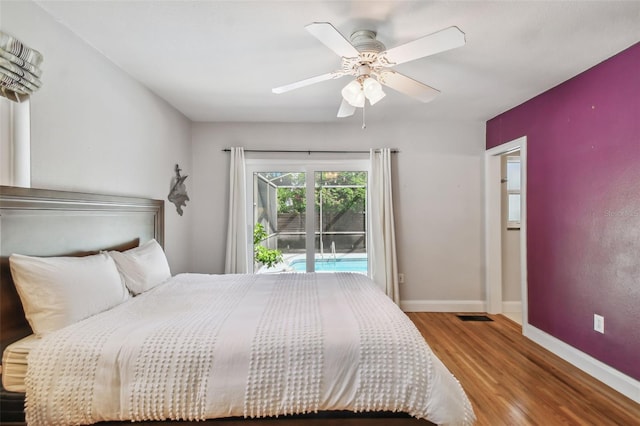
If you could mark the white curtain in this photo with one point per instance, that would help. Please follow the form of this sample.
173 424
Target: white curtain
236 261
383 258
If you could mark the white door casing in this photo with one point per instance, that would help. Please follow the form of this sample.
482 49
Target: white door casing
493 244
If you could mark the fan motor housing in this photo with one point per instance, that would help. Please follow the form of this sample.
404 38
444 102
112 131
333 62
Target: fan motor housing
365 41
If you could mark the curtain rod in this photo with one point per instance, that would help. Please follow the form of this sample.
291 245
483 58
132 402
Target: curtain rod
309 151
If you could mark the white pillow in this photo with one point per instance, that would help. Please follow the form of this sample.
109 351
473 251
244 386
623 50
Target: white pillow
59 291
142 268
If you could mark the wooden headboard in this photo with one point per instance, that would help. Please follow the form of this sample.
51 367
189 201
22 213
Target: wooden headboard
40 222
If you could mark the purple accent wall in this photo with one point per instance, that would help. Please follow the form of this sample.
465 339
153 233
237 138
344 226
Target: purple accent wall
583 207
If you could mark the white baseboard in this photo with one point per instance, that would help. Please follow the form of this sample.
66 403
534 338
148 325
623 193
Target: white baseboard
512 307
624 384
455 306
443 305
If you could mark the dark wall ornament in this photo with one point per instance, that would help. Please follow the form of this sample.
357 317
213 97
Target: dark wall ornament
178 194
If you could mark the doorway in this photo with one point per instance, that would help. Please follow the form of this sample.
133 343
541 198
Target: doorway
494 225
510 230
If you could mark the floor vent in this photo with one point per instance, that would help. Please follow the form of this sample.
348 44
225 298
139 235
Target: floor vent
474 318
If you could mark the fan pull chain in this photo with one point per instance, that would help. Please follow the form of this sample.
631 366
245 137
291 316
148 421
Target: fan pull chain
364 125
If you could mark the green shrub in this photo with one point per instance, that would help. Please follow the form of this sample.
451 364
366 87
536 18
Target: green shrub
262 254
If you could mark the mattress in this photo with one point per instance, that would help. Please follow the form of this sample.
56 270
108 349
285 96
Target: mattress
14 363
206 346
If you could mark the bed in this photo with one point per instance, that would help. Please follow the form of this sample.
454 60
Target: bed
294 347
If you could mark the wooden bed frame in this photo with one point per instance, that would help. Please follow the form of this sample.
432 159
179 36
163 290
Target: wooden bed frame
42 222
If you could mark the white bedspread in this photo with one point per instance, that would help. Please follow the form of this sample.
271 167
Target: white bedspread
207 346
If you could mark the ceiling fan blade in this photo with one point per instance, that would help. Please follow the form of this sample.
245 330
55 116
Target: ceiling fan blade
330 37
346 109
446 39
307 82
408 86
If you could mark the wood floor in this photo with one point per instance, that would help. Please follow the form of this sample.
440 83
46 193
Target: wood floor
512 381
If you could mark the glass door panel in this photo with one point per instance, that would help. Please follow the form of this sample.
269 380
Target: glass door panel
279 221
340 225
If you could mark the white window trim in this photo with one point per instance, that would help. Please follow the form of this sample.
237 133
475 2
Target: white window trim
15 143
513 224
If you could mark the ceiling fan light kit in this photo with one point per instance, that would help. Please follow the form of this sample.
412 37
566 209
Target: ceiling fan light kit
369 61
360 89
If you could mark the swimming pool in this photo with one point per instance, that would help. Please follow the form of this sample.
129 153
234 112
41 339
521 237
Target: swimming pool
355 264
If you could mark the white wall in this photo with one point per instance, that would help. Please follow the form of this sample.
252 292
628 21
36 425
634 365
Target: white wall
94 128
438 195
511 285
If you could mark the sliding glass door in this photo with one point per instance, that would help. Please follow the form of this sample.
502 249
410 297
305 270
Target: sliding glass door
308 217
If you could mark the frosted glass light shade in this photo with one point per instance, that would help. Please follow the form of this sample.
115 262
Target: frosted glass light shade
353 94
372 90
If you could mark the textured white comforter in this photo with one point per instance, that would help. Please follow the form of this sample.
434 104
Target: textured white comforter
207 346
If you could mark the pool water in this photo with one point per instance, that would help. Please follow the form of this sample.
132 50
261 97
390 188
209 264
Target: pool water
333 265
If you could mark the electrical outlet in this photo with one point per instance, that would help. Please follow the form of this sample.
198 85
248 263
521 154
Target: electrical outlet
598 323
400 278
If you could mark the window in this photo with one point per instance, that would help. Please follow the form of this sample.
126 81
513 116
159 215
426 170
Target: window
513 192
312 213
15 143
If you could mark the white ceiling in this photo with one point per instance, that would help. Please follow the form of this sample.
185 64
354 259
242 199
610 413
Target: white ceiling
218 60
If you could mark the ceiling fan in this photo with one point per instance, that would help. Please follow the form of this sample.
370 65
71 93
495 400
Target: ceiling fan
369 61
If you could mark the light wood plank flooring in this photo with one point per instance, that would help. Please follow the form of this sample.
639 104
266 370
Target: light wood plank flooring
512 381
